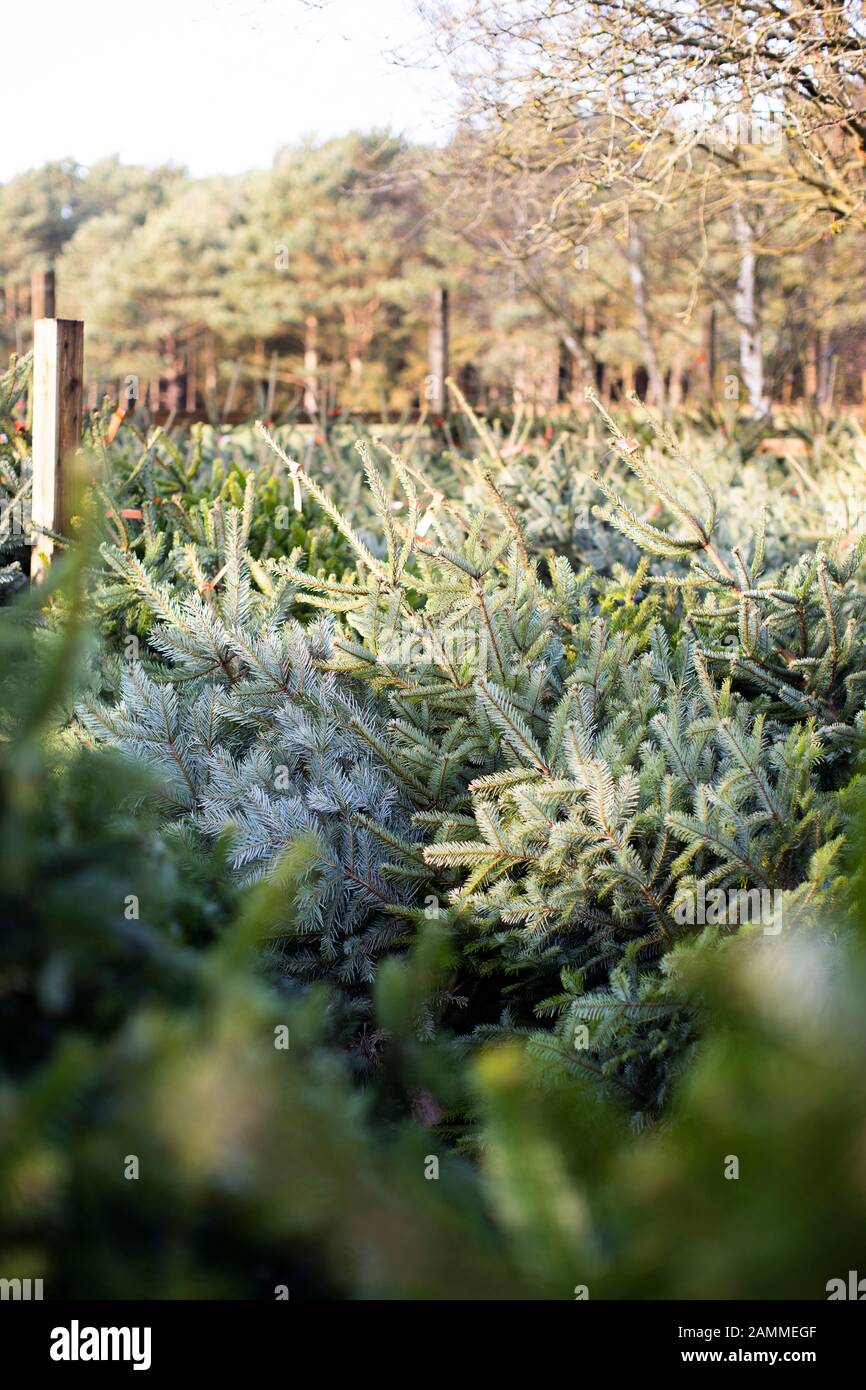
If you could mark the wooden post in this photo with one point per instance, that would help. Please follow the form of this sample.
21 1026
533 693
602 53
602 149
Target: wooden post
42 294
437 391
58 365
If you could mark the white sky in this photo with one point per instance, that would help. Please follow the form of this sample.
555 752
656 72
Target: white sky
216 85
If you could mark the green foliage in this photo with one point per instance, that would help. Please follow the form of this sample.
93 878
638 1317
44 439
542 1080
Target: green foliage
96 905
15 486
145 1014
249 737
587 751
568 746
806 497
792 638
261 1170
165 503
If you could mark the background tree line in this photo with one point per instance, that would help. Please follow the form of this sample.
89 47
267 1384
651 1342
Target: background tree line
672 202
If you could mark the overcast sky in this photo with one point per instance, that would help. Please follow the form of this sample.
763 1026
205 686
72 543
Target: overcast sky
216 85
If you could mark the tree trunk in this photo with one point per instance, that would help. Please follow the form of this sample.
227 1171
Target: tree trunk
564 373
604 383
748 316
579 355
261 387
311 367
211 373
549 393
174 397
191 384
826 373
519 389
709 353
271 398
437 391
635 255
675 385
810 371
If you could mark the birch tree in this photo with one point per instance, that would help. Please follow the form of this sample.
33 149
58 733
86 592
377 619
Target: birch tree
626 110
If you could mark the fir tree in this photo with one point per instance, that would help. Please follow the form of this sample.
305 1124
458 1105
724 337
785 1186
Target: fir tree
572 751
251 736
15 482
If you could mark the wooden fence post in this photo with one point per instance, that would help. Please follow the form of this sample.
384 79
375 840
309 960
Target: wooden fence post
42 294
437 391
58 365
